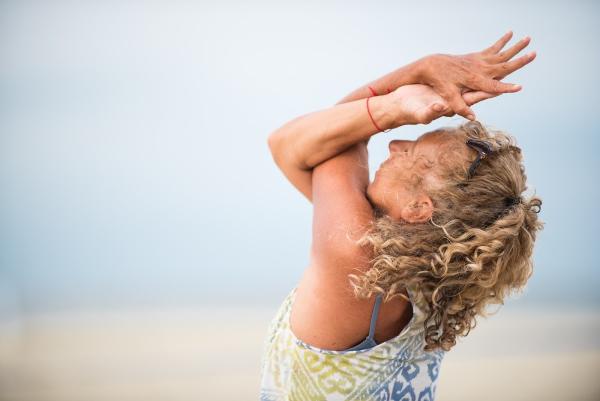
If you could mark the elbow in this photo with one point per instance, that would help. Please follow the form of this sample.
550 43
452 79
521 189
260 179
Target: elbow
282 150
276 144
272 140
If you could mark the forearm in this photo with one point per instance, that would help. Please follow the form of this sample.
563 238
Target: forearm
409 74
310 139
316 137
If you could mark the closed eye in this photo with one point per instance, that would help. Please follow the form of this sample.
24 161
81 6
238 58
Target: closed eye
425 162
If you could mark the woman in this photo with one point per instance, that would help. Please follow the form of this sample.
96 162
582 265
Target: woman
399 267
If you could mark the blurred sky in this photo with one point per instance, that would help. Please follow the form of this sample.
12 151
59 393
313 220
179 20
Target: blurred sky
134 167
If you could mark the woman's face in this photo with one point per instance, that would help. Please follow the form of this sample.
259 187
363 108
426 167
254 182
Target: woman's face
412 169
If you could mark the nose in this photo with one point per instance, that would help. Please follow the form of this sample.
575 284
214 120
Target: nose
398 145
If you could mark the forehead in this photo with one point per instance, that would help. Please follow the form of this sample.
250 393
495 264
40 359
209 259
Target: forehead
439 136
446 146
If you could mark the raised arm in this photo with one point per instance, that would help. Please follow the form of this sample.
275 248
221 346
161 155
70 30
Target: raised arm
304 142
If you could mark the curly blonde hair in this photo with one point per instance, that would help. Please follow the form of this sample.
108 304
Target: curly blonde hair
474 251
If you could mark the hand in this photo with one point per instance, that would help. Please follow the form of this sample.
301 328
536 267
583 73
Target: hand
452 76
420 104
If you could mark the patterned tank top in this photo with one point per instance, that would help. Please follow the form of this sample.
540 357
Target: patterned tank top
396 369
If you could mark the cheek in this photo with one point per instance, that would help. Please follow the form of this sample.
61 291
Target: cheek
391 170
433 182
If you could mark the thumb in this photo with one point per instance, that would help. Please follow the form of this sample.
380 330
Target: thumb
432 112
438 107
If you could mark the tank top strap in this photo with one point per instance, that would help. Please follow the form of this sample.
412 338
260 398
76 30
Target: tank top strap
374 316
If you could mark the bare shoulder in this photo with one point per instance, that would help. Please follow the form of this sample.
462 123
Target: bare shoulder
327 315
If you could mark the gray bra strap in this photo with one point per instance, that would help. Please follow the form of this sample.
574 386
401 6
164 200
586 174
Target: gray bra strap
374 316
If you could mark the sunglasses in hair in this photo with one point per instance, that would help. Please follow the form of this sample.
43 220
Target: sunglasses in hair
483 149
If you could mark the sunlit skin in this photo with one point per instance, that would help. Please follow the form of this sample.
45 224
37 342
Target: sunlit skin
324 154
400 186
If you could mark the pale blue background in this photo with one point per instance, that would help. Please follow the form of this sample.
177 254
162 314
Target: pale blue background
134 168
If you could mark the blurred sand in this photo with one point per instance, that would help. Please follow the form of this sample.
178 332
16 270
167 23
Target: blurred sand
214 354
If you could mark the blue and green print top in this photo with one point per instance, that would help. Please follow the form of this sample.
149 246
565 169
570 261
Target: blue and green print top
396 369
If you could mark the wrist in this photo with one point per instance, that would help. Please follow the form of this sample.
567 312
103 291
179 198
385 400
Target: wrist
413 73
397 105
382 112
424 67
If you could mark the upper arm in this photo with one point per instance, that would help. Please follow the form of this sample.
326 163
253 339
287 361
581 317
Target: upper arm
341 210
337 189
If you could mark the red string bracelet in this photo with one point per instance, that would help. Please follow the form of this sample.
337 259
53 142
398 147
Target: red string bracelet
373 120
375 93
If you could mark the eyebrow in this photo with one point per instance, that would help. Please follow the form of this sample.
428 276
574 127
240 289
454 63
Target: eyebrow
420 157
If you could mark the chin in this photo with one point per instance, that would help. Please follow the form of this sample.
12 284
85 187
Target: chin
368 193
376 207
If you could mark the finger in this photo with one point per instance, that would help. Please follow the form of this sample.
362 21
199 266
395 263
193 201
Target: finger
513 50
453 97
503 69
500 43
494 86
472 98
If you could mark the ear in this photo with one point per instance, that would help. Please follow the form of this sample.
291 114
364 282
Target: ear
418 210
